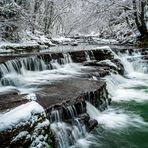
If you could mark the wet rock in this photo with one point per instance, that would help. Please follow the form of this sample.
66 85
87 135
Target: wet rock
63 96
145 57
120 68
99 98
97 54
105 66
92 124
131 50
144 51
76 56
12 99
67 92
113 65
85 118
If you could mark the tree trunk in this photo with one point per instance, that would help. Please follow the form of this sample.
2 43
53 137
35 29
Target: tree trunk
49 10
139 19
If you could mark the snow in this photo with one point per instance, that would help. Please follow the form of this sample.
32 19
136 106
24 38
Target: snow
4 45
7 47
31 97
62 39
108 62
104 41
39 138
43 124
37 42
43 40
80 47
103 48
5 51
21 135
19 115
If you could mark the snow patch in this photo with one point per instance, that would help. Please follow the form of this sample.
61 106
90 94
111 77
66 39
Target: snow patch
31 96
108 62
62 39
20 136
19 115
103 48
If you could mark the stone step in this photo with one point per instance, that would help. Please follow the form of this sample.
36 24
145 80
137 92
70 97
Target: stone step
58 96
78 56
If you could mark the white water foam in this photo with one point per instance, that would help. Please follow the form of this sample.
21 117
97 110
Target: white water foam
27 81
69 135
115 118
132 86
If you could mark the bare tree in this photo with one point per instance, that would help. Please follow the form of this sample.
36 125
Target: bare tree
139 15
10 20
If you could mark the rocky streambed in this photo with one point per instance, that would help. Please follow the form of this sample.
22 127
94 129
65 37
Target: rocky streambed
43 96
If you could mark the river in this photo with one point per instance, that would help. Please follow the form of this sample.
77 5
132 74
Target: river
125 123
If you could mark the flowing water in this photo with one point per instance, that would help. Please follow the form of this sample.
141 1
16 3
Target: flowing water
26 75
125 123
70 134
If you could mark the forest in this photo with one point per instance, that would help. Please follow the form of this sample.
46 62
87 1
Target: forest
122 20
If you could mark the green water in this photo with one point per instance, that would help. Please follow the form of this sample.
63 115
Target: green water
134 132
130 137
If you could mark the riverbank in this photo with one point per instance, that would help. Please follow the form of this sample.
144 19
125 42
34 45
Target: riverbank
42 43
62 81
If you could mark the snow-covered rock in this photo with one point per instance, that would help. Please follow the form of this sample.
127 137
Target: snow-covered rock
64 41
33 44
108 63
19 115
25 125
19 47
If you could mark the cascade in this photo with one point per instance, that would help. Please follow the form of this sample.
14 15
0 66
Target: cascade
129 102
126 88
92 55
67 58
33 63
67 120
87 56
12 71
68 133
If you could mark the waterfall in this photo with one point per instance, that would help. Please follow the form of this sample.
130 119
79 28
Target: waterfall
134 62
71 133
87 56
67 58
15 66
140 65
92 55
17 72
33 63
92 111
127 65
136 69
